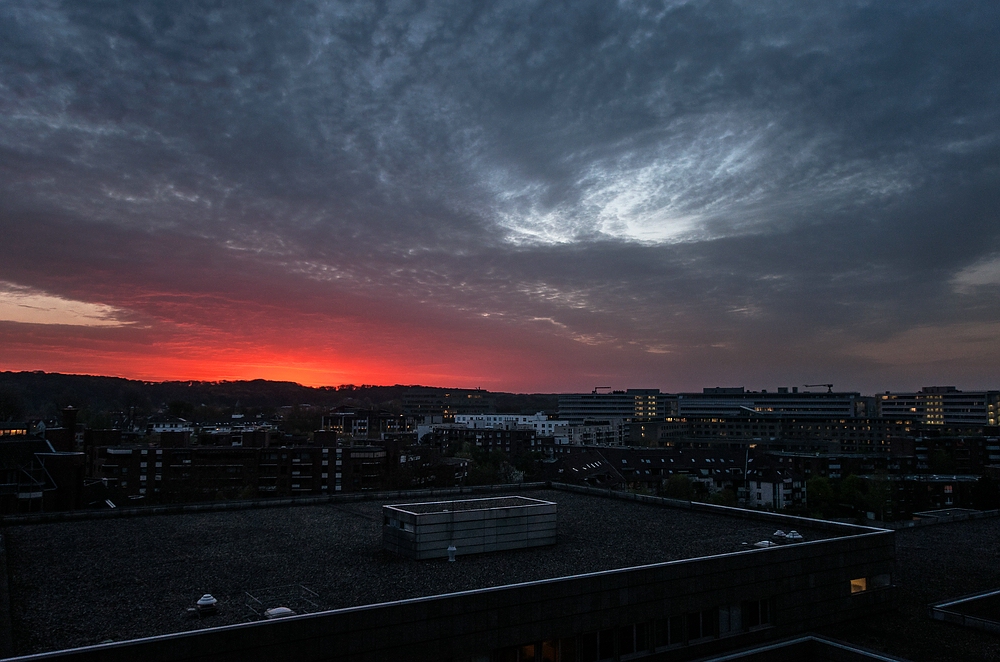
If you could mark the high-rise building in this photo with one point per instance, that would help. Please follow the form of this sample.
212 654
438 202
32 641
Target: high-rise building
446 403
633 404
943 405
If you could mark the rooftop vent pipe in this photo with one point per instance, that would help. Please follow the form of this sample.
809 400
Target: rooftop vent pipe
207 604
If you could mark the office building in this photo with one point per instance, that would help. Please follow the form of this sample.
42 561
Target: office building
429 403
721 402
943 405
631 405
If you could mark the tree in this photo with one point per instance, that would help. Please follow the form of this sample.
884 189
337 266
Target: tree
507 473
679 487
853 492
181 409
879 497
11 405
819 494
480 474
724 497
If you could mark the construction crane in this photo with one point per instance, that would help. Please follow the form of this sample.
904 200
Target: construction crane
829 387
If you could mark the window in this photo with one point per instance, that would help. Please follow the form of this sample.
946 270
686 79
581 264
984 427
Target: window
756 613
730 620
633 639
702 624
670 631
595 646
588 647
859 585
882 581
606 644
626 640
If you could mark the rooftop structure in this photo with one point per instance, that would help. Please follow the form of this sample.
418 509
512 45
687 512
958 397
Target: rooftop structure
810 647
632 573
934 564
442 529
980 611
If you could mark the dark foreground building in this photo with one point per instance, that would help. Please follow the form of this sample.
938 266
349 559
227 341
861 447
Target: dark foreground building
934 564
629 577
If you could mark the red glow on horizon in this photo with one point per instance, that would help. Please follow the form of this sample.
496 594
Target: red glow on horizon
310 358
262 364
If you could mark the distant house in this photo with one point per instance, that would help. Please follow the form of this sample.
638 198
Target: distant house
169 424
776 489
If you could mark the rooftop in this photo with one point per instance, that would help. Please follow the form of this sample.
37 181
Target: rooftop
83 582
934 564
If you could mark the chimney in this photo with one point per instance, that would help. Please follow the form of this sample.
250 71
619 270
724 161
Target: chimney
69 418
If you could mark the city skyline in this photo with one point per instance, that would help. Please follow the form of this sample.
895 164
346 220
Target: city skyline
519 197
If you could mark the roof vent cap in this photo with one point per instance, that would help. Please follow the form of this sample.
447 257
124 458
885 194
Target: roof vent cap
278 612
207 603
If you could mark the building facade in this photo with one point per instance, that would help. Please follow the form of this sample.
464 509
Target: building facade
943 405
540 423
134 473
631 405
722 402
446 403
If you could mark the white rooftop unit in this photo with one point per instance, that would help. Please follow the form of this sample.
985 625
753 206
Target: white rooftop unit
471 526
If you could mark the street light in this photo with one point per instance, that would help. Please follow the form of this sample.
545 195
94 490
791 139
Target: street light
746 478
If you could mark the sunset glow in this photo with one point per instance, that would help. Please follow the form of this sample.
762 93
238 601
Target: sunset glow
518 198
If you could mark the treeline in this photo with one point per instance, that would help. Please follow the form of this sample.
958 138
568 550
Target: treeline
43 395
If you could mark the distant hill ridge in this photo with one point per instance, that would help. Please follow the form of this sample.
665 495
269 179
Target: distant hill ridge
41 395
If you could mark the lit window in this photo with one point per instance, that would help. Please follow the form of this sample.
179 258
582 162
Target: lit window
859 585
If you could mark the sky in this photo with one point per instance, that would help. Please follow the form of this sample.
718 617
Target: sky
520 196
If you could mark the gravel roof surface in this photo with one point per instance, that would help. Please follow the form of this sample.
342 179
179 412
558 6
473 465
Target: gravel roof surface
935 563
80 583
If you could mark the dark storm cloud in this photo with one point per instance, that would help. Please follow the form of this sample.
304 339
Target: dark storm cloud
699 181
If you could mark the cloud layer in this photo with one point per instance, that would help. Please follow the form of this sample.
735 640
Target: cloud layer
530 196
